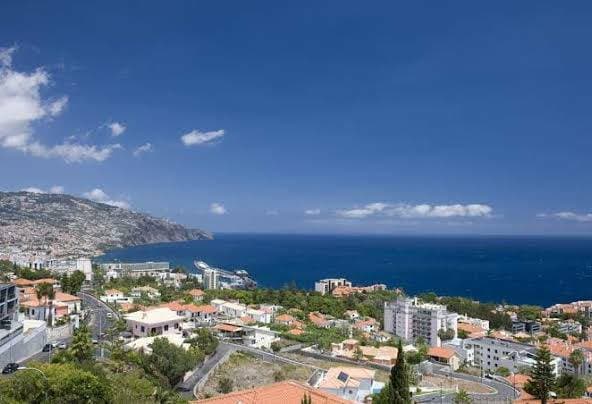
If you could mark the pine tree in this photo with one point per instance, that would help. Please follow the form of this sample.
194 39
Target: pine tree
542 377
399 391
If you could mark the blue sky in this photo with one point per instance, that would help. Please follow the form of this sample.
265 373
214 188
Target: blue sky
314 117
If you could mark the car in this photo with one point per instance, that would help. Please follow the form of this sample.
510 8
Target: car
62 345
10 368
95 341
54 344
48 347
109 315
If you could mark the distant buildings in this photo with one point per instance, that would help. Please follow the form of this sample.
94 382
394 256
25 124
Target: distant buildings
409 319
61 266
136 269
325 286
529 327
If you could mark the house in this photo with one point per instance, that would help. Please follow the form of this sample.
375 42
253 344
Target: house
73 302
286 392
445 355
197 295
156 321
228 331
296 332
150 292
351 315
471 330
63 304
115 296
259 337
284 319
349 383
368 325
318 319
259 316
351 349
233 309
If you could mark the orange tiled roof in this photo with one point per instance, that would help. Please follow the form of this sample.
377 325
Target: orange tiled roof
441 352
206 308
519 380
51 281
196 292
284 318
296 331
65 297
286 392
227 327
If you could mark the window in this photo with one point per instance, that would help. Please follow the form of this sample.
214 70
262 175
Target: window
142 328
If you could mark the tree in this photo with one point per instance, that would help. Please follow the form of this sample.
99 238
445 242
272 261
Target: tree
307 399
167 363
82 347
399 380
462 397
358 354
46 290
576 358
225 385
446 335
570 386
502 371
72 283
542 378
205 340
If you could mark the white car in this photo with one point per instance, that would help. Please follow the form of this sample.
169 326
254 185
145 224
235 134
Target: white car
62 345
109 315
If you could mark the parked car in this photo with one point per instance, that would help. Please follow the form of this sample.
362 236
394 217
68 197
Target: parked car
109 315
62 345
95 341
48 347
10 368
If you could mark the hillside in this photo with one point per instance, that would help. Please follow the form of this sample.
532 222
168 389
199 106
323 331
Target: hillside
70 226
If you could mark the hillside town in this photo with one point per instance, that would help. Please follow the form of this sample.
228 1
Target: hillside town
336 343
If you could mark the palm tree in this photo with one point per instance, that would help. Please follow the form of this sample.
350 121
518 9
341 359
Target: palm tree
46 290
576 358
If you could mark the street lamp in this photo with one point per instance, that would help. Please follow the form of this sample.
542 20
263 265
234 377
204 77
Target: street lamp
42 374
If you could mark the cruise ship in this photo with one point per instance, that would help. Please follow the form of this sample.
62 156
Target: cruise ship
237 279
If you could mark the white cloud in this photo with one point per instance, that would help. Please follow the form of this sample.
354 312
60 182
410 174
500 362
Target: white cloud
117 128
56 189
218 209
422 211
22 106
98 195
312 212
196 137
566 215
145 148
33 190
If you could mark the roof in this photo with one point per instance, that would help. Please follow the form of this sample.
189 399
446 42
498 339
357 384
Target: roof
45 280
247 320
196 292
284 318
441 352
206 308
65 297
470 328
519 380
340 376
23 282
286 392
154 316
296 331
227 327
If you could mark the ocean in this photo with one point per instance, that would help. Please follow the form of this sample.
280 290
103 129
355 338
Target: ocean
521 270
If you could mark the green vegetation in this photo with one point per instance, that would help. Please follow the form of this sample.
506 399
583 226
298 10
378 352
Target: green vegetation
72 283
570 386
542 377
225 385
397 389
462 397
502 371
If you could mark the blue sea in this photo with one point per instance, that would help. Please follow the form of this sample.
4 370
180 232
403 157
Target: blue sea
535 270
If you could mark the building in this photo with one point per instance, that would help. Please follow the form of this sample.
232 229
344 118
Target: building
484 324
409 319
260 316
197 295
148 291
444 355
211 279
115 296
345 291
492 353
9 307
354 384
351 349
286 392
529 327
153 322
136 269
327 285
68 267
259 337
569 327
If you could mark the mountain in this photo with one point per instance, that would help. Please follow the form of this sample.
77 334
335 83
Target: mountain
63 225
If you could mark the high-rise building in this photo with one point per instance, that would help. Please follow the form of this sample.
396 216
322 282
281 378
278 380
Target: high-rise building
211 279
409 319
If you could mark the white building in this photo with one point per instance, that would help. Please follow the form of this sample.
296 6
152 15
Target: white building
150 292
490 354
259 337
62 267
136 269
115 296
409 319
327 285
153 322
232 309
354 384
211 279
474 321
259 316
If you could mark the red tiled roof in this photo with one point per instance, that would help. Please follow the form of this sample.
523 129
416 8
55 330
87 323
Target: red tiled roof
441 352
286 392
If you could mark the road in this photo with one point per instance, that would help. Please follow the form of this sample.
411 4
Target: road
504 392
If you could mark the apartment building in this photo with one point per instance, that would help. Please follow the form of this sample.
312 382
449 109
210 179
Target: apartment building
490 354
409 319
211 279
136 269
325 286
